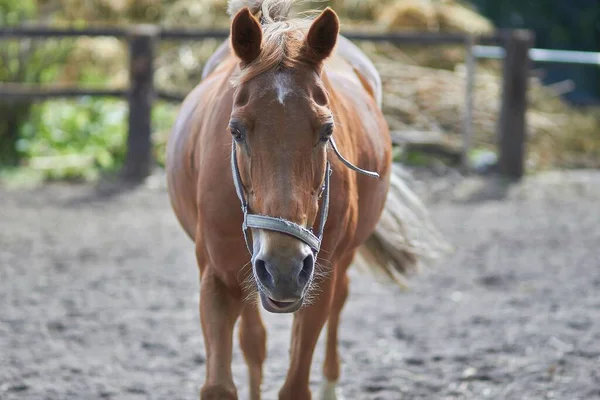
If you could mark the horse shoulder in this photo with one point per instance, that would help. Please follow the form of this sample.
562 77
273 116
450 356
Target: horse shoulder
363 136
183 149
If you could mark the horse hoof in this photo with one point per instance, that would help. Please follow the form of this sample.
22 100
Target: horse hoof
218 392
330 391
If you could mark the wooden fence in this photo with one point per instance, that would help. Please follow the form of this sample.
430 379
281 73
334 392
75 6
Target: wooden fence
141 94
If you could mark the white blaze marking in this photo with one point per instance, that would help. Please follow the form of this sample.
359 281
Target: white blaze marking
283 85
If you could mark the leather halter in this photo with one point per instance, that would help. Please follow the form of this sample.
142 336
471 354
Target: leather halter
256 221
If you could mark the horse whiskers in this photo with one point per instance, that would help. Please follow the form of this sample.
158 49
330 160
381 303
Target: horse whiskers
244 270
252 298
248 284
312 294
323 251
322 271
250 289
320 274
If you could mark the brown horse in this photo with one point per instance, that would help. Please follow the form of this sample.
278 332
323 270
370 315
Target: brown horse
258 132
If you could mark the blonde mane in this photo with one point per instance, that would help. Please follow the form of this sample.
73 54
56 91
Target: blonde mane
282 40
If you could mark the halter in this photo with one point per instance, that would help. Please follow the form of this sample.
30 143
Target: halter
282 225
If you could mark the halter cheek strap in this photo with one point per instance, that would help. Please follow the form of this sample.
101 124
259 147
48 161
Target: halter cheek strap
282 225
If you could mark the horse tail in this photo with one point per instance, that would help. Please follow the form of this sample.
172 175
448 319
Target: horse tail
268 10
405 237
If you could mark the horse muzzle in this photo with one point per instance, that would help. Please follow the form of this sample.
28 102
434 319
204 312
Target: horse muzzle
283 274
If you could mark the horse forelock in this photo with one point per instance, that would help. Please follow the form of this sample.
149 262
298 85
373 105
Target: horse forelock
283 39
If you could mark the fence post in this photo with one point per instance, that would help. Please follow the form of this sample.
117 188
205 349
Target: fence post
470 64
512 124
142 41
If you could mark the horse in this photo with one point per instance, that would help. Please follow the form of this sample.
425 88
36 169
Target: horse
279 168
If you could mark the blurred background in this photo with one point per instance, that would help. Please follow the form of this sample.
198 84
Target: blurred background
424 85
99 283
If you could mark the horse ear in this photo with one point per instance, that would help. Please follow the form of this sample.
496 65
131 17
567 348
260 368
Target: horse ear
322 35
246 36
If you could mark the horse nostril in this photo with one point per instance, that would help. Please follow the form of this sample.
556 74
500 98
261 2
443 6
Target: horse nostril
260 268
308 265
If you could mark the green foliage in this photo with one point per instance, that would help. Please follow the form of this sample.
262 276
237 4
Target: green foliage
81 139
416 158
14 12
24 61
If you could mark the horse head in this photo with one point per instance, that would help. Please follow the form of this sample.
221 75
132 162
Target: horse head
281 123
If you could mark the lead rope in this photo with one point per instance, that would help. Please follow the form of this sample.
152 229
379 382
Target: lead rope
348 163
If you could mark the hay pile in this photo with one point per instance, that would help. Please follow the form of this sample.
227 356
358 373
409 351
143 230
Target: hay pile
428 99
433 16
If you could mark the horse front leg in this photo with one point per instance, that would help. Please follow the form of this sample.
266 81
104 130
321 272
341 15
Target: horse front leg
253 341
331 365
306 328
219 310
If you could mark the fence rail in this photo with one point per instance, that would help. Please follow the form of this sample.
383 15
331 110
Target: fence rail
12 91
543 55
167 33
141 93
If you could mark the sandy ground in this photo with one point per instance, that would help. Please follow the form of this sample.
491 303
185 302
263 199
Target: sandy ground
99 299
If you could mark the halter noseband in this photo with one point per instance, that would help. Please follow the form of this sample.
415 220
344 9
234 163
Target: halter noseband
282 225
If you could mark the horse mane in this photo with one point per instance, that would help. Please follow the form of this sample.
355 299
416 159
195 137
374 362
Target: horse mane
282 39
270 10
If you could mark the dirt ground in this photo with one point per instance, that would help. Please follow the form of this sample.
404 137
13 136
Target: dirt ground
99 299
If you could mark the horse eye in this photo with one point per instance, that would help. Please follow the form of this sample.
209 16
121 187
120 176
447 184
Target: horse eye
237 133
326 132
